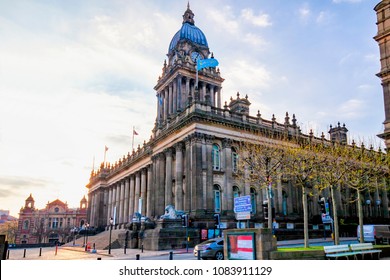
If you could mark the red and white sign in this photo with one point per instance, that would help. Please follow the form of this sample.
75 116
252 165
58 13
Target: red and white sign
241 247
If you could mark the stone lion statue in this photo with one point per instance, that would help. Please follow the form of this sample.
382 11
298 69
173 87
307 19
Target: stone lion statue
171 213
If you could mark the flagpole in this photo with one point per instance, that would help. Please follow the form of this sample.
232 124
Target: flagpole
93 164
132 141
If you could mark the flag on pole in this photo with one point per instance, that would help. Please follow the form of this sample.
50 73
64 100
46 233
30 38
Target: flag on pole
135 132
204 63
105 148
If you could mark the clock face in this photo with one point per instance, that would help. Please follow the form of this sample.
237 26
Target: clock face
195 56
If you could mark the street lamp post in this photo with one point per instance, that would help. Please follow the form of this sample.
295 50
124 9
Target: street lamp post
109 242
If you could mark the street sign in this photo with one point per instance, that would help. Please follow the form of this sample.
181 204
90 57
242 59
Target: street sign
242 204
326 219
243 215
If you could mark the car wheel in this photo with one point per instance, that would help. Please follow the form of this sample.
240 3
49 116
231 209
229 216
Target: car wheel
219 255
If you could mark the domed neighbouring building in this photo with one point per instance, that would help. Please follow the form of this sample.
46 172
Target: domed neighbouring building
191 159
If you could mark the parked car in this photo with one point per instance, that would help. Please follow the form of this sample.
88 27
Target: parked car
212 248
374 233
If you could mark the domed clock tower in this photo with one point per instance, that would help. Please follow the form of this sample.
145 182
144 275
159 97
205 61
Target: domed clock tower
178 86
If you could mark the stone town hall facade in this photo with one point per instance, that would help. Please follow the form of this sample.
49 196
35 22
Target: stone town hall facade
191 158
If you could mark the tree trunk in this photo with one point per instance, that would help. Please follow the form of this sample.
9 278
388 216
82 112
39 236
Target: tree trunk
360 215
305 218
335 217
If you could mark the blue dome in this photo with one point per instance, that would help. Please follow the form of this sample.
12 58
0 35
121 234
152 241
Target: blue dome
190 32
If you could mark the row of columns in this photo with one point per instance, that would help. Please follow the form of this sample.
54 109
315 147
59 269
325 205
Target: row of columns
174 97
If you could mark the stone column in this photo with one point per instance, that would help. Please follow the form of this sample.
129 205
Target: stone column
132 195
227 178
196 172
126 201
170 101
212 95
143 191
117 200
168 178
137 190
179 93
149 191
159 108
209 173
109 214
219 98
174 97
179 177
203 94
121 200
187 187
187 90
113 205
161 188
166 104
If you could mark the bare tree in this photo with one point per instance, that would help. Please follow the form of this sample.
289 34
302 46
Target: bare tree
302 162
366 166
260 163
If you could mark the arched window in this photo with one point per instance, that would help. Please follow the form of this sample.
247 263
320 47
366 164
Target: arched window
234 160
236 192
216 158
25 224
217 199
253 200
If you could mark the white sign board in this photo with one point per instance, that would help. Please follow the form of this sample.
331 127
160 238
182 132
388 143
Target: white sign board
243 215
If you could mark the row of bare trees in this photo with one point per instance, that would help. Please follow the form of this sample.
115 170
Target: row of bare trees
314 164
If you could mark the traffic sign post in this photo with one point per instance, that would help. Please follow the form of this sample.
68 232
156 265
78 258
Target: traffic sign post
243 207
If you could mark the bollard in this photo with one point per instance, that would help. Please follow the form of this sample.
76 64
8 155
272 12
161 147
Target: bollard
125 250
40 252
8 255
24 253
137 257
142 248
199 255
171 255
99 259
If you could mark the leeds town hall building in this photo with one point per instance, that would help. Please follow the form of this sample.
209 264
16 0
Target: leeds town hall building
191 159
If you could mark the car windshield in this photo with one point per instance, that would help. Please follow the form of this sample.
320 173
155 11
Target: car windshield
209 241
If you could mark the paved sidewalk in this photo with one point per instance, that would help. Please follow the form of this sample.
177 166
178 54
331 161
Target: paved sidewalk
79 253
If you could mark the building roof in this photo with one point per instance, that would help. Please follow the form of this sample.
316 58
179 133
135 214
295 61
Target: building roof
188 31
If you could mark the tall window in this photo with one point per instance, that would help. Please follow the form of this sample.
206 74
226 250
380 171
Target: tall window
234 160
216 158
55 222
217 199
253 200
61 222
25 224
236 193
284 203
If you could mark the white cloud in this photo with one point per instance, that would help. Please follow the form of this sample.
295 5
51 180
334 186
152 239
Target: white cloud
351 109
304 13
262 20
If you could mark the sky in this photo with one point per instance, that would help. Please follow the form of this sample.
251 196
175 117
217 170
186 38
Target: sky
76 76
